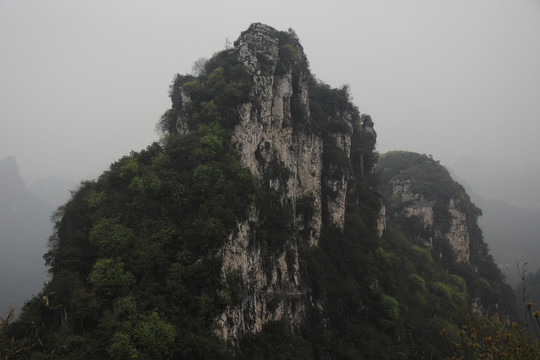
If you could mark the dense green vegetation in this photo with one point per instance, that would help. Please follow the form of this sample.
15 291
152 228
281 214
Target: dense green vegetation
216 94
134 259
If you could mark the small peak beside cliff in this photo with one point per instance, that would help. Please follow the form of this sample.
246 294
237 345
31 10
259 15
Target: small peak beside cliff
10 177
435 212
421 193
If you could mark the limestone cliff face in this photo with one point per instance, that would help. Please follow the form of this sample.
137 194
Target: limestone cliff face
458 235
283 147
265 137
413 204
265 134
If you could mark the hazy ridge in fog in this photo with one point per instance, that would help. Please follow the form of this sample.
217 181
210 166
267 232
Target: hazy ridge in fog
24 230
509 222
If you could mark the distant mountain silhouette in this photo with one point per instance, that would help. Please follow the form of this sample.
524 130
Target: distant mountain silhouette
514 183
24 229
512 233
54 190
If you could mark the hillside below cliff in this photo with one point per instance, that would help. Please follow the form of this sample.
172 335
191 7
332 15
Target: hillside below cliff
254 229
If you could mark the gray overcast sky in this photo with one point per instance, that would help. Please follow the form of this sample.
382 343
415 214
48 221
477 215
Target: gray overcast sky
83 83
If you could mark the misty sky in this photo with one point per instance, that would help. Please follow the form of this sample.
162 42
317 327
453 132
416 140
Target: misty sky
83 83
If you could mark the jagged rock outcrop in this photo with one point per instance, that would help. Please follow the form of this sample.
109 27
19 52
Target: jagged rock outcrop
413 204
265 134
265 137
458 235
282 146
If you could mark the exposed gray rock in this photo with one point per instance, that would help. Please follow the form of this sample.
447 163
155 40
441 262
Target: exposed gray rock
182 126
458 235
381 221
265 136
